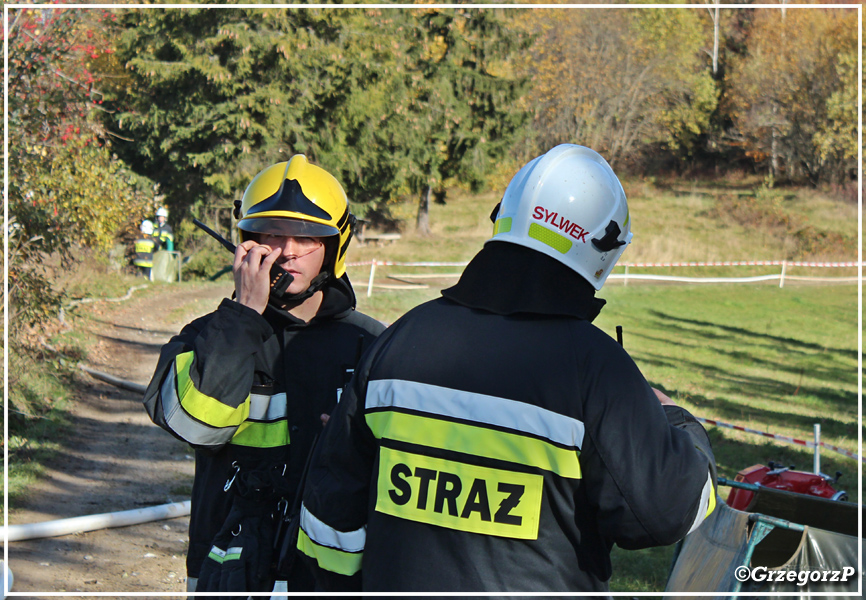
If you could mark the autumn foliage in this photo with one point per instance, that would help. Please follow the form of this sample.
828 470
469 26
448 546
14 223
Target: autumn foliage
65 187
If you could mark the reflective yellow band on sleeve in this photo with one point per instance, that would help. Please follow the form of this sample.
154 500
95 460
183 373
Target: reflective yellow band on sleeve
706 504
712 503
477 441
262 435
204 408
330 559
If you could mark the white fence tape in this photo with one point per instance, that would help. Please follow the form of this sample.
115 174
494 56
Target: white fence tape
625 277
746 263
676 278
740 263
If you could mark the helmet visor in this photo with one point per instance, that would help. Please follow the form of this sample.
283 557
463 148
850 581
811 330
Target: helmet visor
286 227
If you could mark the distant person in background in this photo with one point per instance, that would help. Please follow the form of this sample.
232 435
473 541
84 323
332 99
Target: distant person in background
144 248
164 232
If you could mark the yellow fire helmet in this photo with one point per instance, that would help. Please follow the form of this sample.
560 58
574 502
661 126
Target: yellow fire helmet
296 198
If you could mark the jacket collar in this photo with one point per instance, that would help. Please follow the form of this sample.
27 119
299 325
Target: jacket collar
338 300
507 279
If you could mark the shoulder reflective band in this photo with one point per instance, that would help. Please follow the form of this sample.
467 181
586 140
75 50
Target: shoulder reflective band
492 427
459 496
477 441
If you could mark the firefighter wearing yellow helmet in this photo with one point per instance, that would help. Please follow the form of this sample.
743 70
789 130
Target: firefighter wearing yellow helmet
249 384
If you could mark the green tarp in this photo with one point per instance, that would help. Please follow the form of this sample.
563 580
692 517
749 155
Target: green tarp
709 556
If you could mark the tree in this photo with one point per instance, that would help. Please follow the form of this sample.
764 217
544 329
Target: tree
65 186
461 104
791 96
393 101
211 96
621 82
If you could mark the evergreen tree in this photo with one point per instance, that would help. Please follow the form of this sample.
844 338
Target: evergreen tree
461 107
391 101
214 95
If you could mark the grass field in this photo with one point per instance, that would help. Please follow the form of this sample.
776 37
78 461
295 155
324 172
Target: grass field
773 359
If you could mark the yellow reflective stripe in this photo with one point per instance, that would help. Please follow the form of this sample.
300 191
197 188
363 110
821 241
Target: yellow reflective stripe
477 441
503 225
558 242
712 505
204 408
330 559
262 435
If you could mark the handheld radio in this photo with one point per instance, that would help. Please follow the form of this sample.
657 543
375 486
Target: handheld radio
280 280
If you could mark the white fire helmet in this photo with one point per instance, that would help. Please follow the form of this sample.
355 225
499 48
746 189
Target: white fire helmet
162 212
569 205
147 227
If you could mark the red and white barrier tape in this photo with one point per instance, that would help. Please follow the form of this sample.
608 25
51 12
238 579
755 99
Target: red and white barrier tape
745 263
784 438
388 263
740 263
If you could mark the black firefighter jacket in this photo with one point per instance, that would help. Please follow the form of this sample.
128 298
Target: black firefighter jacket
247 390
494 440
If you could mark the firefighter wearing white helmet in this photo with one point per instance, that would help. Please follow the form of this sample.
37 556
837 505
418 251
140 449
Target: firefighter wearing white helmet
248 385
494 440
164 232
144 247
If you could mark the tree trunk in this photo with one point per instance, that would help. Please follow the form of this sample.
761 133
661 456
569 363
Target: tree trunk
422 221
716 41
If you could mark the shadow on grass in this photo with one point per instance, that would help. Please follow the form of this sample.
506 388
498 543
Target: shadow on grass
790 344
791 370
764 419
149 346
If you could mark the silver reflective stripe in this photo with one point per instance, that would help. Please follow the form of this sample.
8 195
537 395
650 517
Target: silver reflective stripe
184 425
267 408
324 535
477 408
704 505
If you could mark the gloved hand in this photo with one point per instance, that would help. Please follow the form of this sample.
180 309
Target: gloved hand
241 556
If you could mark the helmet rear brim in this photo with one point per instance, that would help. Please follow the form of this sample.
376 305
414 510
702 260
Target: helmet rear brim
286 227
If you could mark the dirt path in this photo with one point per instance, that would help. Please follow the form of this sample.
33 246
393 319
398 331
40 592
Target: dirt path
115 459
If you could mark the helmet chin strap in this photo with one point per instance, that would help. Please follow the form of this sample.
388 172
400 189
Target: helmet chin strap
287 301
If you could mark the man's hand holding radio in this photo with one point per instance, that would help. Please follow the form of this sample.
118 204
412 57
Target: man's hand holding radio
251 269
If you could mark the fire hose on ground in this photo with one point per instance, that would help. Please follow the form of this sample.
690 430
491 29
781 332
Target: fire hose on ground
28 531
